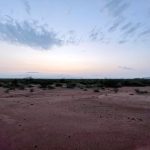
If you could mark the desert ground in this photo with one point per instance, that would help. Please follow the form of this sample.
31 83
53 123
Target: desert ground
75 119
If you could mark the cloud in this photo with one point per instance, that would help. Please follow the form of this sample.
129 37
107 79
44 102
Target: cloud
27 6
132 29
125 68
129 33
145 33
116 8
96 35
121 21
126 26
116 24
122 41
71 38
28 33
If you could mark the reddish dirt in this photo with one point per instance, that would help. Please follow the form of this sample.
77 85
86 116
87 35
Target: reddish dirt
73 119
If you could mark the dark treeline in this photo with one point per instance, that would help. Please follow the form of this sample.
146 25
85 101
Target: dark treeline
71 83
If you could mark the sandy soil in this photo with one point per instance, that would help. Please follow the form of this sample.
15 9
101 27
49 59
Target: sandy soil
73 119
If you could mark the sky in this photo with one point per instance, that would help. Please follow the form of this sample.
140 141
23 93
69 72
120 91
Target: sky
75 38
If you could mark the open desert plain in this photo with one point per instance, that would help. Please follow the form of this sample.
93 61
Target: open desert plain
74 74
75 119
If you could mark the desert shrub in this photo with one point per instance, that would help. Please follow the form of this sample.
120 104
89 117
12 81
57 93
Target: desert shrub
71 85
110 83
31 90
119 84
3 84
103 88
6 85
50 87
137 90
81 86
14 83
7 91
58 84
84 89
43 85
88 86
11 88
21 87
30 86
96 90
140 91
134 83
99 85
62 80
116 90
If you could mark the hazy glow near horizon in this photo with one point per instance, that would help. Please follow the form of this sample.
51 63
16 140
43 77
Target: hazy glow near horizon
85 39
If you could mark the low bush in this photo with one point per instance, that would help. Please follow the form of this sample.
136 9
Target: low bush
50 87
140 91
116 90
96 90
58 84
31 90
7 91
71 85
84 89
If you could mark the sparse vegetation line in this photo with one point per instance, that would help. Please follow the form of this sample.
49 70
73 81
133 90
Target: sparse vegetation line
21 84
